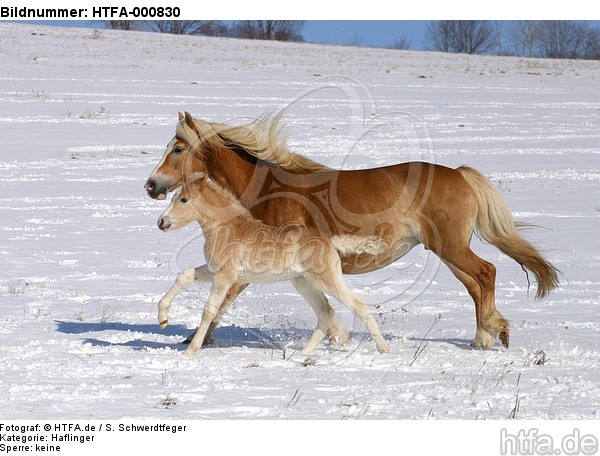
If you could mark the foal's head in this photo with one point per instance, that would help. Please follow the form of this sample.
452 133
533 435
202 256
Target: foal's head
185 205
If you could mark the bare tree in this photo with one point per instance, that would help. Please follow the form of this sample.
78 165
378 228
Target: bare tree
268 30
439 35
176 27
563 39
402 43
592 45
119 25
499 27
356 40
213 28
555 39
467 37
525 36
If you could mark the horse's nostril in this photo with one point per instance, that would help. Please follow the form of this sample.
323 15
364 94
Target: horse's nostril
150 186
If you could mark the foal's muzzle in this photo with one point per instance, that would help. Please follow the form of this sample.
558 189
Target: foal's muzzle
163 223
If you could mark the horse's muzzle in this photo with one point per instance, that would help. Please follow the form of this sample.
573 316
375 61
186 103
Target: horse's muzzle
154 191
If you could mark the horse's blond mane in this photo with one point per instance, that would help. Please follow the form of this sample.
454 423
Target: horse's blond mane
263 138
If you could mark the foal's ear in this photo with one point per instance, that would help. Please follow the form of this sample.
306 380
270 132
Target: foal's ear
180 116
197 177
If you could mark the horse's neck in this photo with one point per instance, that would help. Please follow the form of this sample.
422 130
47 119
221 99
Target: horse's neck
232 170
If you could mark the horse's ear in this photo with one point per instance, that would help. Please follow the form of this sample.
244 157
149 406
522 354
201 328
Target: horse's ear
189 120
180 116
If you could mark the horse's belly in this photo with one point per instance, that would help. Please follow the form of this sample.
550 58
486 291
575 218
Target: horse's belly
267 276
360 264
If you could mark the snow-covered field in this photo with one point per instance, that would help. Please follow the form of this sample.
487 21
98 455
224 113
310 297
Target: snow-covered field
84 118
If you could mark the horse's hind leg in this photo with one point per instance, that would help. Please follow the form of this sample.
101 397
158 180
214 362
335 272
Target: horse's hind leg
479 277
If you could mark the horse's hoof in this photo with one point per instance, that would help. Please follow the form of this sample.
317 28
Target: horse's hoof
483 341
163 324
504 338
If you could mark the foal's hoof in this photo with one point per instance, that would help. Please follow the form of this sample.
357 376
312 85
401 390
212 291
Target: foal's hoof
383 348
339 339
163 324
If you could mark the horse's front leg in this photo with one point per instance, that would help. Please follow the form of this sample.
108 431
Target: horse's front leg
218 292
184 279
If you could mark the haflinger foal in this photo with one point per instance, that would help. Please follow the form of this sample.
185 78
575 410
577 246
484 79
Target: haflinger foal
240 249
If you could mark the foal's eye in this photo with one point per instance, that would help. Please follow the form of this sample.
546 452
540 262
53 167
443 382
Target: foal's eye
184 200
177 150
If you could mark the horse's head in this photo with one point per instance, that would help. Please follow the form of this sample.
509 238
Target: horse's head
178 160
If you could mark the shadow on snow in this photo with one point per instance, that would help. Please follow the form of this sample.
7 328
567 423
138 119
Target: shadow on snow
223 337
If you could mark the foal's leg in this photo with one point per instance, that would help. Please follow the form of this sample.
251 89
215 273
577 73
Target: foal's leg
322 308
335 286
217 295
184 279
233 293
336 333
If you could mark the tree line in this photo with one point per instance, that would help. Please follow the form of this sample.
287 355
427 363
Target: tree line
545 39
258 30
528 38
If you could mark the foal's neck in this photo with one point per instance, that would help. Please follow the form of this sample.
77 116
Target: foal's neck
216 206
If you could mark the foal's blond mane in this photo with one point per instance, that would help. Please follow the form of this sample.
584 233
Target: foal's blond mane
220 200
262 138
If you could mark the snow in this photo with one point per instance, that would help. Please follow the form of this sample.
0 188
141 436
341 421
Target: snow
84 118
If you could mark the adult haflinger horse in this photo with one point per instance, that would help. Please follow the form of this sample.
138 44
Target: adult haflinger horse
404 204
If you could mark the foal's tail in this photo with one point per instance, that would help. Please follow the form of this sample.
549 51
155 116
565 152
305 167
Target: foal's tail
496 225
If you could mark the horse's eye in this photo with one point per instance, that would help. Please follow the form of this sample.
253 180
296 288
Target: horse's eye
177 150
184 200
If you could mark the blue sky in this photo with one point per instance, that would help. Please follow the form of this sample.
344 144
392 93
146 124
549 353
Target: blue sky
378 33
364 33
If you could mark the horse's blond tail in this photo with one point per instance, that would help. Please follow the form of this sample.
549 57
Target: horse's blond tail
496 225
